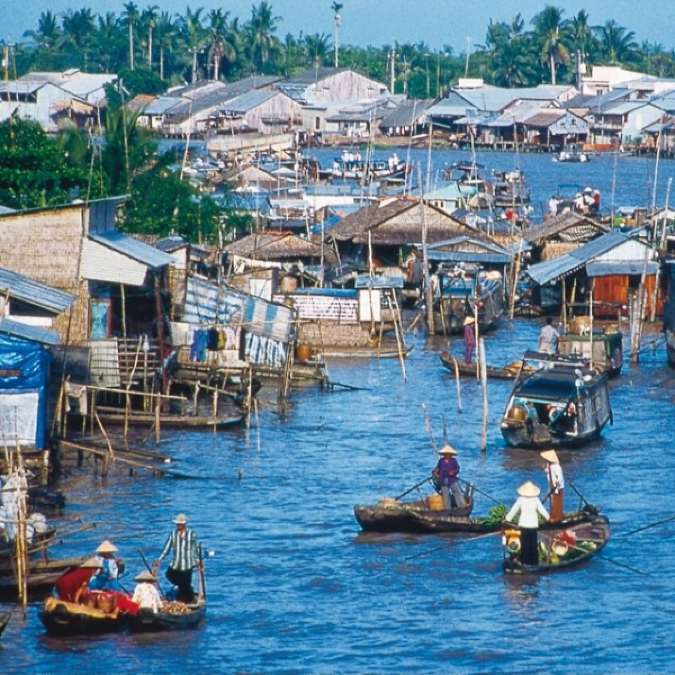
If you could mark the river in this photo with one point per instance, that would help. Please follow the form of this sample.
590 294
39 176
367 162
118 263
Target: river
294 588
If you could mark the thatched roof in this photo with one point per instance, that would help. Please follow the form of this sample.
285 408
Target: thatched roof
566 228
279 246
396 222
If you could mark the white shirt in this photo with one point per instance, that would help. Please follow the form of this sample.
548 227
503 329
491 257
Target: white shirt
554 473
147 595
548 339
529 507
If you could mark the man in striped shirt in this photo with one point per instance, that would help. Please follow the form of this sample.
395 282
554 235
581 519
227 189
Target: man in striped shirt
185 547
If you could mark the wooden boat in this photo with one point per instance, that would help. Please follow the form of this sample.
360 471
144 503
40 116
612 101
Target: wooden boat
445 523
69 618
601 350
558 549
508 372
147 621
559 405
384 350
116 416
40 579
468 291
392 515
4 621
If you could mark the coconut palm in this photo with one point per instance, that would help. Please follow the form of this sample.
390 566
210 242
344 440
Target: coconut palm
149 21
317 48
165 35
336 7
617 45
131 16
551 31
261 28
194 36
511 66
78 31
220 40
109 50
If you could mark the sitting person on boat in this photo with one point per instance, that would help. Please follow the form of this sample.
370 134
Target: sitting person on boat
556 482
106 579
445 476
146 593
469 338
185 547
70 586
528 508
548 337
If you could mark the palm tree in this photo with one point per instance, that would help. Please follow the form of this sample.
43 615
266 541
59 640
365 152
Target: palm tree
220 45
131 15
78 31
194 36
261 27
165 34
46 36
510 66
149 20
317 47
617 46
336 7
551 32
581 34
110 42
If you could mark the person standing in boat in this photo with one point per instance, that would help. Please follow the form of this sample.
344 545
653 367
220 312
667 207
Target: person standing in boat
469 338
185 547
556 482
445 476
548 337
528 508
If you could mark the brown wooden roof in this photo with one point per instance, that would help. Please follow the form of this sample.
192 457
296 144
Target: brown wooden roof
567 227
279 246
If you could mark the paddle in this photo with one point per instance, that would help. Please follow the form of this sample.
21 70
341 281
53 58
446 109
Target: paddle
647 527
151 572
454 543
414 487
485 494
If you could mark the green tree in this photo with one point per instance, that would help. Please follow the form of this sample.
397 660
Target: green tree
617 45
77 35
149 18
317 48
131 16
262 42
34 172
551 32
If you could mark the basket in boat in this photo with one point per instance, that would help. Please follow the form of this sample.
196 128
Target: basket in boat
516 413
388 502
434 502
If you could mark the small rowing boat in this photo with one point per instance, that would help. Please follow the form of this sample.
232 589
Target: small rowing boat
558 549
172 616
508 372
70 618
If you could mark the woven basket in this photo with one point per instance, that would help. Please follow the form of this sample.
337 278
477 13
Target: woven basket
435 502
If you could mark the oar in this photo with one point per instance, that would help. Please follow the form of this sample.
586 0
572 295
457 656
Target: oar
151 571
485 494
454 543
646 527
583 499
202 585
414 487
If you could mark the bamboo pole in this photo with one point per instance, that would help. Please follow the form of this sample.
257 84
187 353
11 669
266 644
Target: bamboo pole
459 389
483 379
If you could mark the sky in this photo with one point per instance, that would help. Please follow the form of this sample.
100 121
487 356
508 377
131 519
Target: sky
460 24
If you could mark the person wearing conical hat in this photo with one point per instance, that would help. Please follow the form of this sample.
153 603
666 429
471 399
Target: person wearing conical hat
73 582
106 579
445 476
146 593
528 508
183 543
556 482
469 338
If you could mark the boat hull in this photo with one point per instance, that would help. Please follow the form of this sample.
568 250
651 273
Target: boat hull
590 538
147 621
68 618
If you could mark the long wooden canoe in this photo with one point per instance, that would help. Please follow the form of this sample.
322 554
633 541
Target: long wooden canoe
563 548
147 621
70 618
507 372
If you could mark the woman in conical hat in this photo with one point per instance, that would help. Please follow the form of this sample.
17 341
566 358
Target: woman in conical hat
556 482
469 338
529 508
106 578
445 476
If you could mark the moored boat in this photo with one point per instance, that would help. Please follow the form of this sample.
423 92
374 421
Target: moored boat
508 372
558 549
559 405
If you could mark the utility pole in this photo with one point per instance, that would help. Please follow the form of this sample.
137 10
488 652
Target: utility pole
468 49
194 51
392 65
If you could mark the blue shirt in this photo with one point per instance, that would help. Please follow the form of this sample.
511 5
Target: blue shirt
448 468
185 549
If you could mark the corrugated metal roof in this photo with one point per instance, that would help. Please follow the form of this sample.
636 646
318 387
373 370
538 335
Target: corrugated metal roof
137 250
604 268
363 281
34 333
468 256
34 292
248 101
406 114
564 265
622 107
161 105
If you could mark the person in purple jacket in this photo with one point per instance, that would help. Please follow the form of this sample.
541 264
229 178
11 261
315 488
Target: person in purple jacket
445 476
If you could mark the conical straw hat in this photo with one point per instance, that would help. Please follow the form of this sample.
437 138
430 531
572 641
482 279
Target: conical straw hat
549 456
528 489
107 547
447 449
